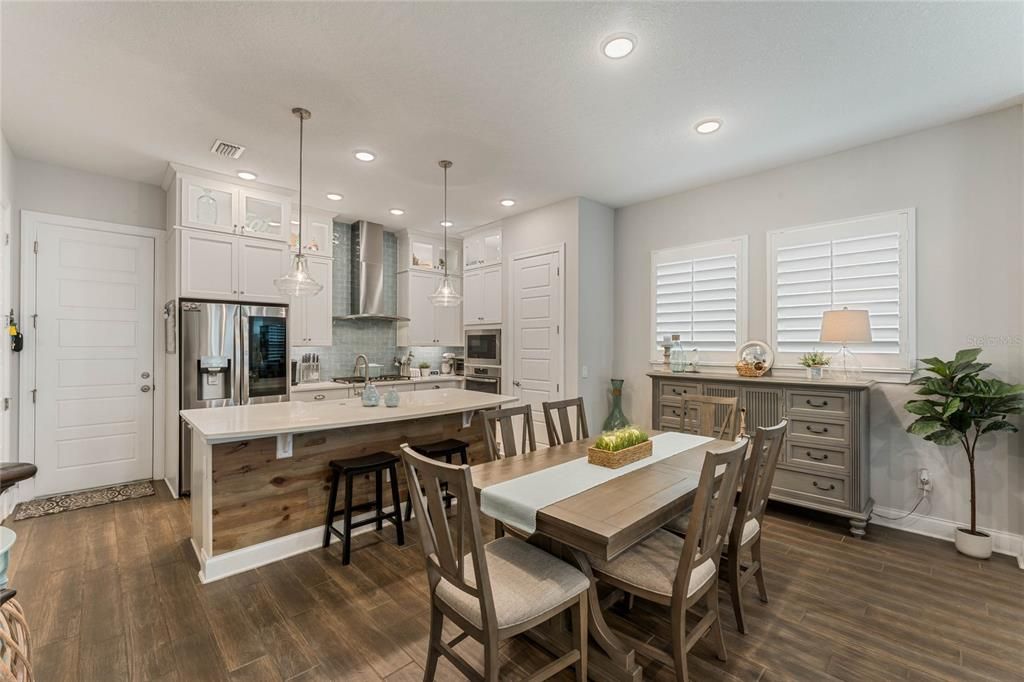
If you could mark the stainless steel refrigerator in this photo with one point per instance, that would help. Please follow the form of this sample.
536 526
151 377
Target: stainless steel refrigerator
230 354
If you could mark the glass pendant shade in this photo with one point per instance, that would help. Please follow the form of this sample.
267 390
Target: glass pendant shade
445 296
297 282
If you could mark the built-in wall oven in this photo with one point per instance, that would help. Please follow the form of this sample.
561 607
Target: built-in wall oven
483 347
483 378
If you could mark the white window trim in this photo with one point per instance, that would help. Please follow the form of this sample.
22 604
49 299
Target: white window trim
908 281
707 358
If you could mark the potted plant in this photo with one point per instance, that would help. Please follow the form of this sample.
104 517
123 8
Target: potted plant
815 362
961 406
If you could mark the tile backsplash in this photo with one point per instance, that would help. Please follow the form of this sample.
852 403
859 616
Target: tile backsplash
375 338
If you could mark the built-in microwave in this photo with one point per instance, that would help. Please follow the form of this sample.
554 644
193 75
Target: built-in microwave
483 346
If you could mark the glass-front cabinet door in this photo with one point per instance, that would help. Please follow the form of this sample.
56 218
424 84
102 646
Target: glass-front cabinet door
264 215
208 204
317 234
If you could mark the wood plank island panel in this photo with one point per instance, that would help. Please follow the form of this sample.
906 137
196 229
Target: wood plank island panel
257 497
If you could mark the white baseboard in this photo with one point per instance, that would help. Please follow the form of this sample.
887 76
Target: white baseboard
8 501
1010 544
173 489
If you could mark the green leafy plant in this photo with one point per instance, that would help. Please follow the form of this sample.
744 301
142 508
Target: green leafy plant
962 406
620 439
424 365
814 359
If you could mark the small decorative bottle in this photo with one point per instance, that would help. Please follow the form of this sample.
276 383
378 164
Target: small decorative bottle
677 356
371 398
392 398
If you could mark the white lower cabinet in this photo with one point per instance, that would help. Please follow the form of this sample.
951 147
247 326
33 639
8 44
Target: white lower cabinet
311 316
428 325
482 304
437 383
321 396
223 267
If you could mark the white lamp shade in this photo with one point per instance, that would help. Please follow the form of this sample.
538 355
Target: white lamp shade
845 326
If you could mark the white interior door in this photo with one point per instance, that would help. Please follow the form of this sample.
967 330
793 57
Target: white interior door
537 332
93 358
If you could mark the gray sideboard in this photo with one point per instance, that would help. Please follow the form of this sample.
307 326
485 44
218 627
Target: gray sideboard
825 464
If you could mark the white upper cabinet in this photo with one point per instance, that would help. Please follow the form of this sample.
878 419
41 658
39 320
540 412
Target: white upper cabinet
428 325
482 304
482 247
201 202
311 316
260 262
209 204
225 267
263 214
418 251
317 232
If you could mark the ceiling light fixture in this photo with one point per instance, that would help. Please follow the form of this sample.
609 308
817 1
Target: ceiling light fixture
295 222
708 126
297 281
396 211
246 175
364 155
334 196
619 45
445 296
507 202
447 223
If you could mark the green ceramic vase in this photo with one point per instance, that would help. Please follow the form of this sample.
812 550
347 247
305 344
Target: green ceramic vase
617 418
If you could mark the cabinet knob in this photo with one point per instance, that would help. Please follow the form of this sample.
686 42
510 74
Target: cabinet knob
319 396
242 292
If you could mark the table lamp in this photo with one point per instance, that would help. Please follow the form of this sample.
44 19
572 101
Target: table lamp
845 327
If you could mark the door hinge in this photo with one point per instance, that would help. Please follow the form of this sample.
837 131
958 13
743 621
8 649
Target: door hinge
558 271
558 329
35 317
33 396
7 238
7 404
35 247
558 388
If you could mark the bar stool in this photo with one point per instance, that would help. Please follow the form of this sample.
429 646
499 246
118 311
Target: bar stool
376 463
447 449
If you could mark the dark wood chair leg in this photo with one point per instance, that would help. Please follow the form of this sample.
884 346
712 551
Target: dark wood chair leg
346 553
379 509
331 501
396 503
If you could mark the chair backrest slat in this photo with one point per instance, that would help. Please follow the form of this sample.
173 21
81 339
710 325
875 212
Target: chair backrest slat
713 416
561 407
760 472
496 420
712 509
444 541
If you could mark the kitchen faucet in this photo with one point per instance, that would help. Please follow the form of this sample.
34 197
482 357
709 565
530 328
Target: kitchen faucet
366 365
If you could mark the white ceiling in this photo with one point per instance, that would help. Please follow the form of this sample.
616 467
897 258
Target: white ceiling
518 95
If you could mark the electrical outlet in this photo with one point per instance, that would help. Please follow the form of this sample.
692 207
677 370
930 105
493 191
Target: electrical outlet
924 480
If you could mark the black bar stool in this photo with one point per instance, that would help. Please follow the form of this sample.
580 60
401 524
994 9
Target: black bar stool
376 463
447 449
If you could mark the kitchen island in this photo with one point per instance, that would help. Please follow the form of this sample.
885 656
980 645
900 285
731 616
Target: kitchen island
260 473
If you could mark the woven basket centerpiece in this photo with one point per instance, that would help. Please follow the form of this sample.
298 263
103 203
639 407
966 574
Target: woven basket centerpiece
620 447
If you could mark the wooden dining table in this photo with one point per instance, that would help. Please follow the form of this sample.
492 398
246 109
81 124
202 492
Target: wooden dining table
603 521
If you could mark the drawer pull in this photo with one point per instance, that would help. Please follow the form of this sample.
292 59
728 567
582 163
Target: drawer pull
813 430
823 403
831 486
819 459
319 396
675 413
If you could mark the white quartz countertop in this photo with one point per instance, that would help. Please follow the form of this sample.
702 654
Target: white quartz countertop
332 385
227 424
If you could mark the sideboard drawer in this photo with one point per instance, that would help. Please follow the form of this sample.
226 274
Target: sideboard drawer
823 431
674 412
672 392
817 403
825 459
813 487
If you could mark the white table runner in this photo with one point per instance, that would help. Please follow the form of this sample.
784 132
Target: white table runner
517 501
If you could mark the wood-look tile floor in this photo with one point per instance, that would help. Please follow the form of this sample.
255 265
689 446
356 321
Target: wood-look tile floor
112 594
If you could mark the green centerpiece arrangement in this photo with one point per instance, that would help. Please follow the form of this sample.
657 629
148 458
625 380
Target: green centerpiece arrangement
620 447
958 407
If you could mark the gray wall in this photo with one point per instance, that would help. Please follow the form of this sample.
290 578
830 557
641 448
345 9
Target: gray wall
965 181
596 308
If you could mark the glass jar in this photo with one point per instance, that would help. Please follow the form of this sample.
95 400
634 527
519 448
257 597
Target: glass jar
677 356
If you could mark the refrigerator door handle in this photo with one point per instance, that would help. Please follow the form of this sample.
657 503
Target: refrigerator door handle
243 349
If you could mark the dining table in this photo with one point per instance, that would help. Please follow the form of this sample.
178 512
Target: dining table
602 521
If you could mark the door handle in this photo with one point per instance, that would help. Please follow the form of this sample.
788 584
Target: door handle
146 389
516 384
145 375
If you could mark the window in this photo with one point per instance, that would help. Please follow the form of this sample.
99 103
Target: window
862 263
699 292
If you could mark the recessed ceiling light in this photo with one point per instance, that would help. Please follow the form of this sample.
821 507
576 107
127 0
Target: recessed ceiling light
246 175
364 155
618 46
708 126
396 211
334 196
507 202
447 223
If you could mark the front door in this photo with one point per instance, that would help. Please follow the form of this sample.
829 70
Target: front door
537 332
93 357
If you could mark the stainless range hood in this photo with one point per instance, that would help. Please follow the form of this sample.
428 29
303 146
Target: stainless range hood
367 264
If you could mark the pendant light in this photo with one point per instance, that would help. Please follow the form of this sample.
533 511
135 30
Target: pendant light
297 281
445 296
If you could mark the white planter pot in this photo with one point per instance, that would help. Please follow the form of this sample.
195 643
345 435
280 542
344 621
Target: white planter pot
814 372
977 546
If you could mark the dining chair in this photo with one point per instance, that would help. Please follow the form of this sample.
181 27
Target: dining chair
708 415
500 421
559 437
682 572
490 592
745 534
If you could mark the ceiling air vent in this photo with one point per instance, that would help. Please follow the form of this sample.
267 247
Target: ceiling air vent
227 149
